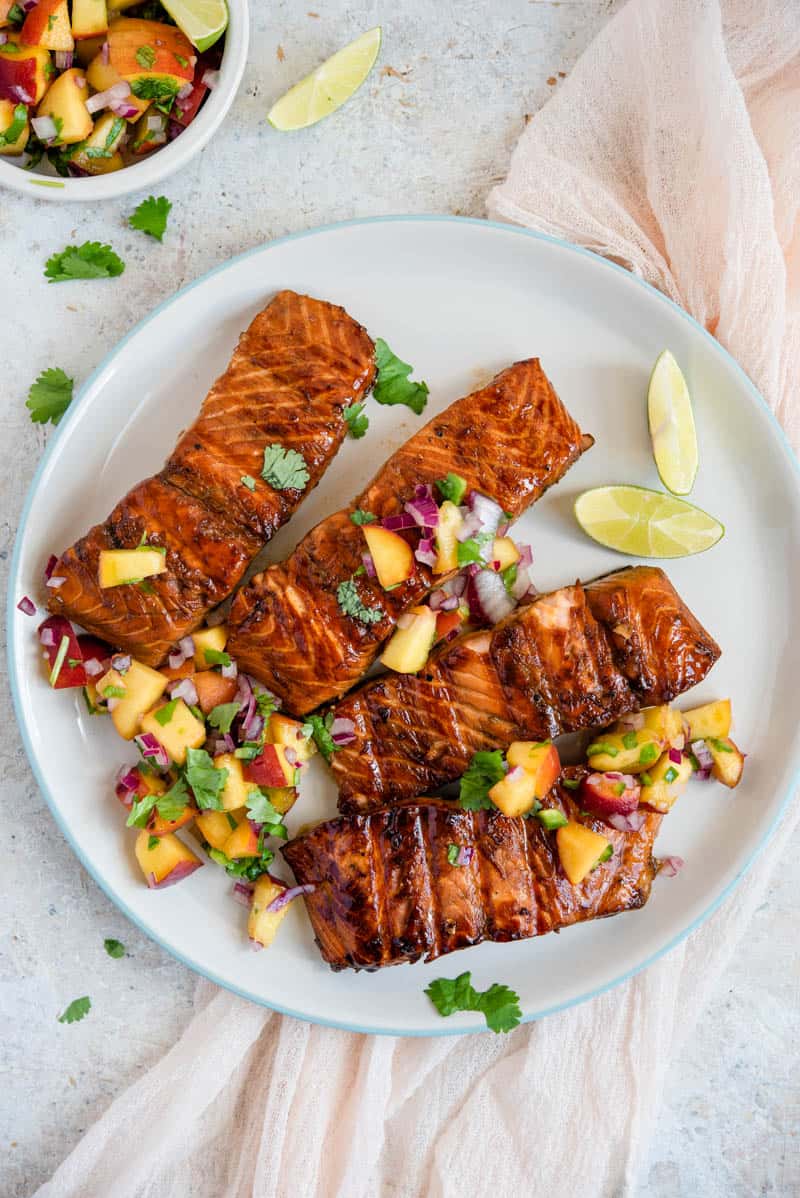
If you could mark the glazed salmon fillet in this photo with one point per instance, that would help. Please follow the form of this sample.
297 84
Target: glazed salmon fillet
300 362
385 891
510 440
576 658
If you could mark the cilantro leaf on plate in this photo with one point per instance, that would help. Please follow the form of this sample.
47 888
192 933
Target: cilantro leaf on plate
393 385
223 715
50 396
88 261
206 781
319 727
351 604
151 216
357 424
284 469
77 1010
485 769
499 1004
114 948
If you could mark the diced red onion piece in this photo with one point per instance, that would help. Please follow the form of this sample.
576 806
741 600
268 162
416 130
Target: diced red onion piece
47 638
186 646
399 522
93 667
450 603
112 95
423 509
243 893
55 581
186 90
121 662
515 773
525 557
470 527
670 866
703 754
45 129
438 599
150 748
112 702
63 60
627 823
79 81
633 721
26 606
253 727
290 755
285 897
230 671
256 945
488 598
20 94
489 513
155 122
175 660
456 585
369 565
675 756
465 854
343 732
184 689
703 774
27 5
613 777
126 111
3 37
425 552
210 79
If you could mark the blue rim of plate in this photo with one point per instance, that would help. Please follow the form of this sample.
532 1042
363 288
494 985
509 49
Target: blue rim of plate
341 1024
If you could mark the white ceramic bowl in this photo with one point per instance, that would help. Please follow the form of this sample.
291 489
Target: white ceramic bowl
166 161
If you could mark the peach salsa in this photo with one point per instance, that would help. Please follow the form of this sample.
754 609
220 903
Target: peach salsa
93 85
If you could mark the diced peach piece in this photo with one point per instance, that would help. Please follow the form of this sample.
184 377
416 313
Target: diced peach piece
212 689
728 764
216 827
665 782
392 557
25 71
8 117
101 76
141 49
99 154
408 650
289 733
283 798
87 49
157 826
605 795
143 688
181 732
89 18
117 566
504 553
237 787
516 793
270 769
165 861
262 924
450 521
712 719
242 843
185 670
65 101
5 6
447 622
579 849
47 25
214 639
626 752
540 759
666 723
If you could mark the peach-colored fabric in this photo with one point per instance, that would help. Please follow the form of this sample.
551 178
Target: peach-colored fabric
674 149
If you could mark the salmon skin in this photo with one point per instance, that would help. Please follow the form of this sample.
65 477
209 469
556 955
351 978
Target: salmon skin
577 658
295 368
386 891
511 441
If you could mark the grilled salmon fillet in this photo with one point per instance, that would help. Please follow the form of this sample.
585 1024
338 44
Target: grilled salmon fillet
576 658
295 368
510 440
386 893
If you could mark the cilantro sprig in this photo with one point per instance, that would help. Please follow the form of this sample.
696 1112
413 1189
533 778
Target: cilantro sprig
206 781
50 396
284 469
223 715
359 516
77 1010
485 769
151 216
92 260
499 1004
393 385
357 424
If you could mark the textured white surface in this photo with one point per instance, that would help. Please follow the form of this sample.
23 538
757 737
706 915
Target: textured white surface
431 140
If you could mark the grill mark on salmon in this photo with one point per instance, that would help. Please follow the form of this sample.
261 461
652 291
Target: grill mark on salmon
511 440
300 362
385 892
576 658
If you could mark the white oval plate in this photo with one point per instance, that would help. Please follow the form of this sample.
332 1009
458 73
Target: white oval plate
460 299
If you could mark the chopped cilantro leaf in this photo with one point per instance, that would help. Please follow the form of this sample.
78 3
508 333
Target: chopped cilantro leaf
359 516
250 868
392 385
18 119
114 948
319 728
454 488
50 396
155 87
15 14
485 769
606 854
284 469
217 657
77 1010
88 261
248 481
165 713
350 602
169 805
151 216
357 424
146 57
206 781
499 1004
509 576
469 551
261 811
223 715
152 843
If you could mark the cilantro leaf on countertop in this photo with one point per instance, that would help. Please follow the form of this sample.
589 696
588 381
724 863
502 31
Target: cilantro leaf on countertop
77 1010
485 769
88 261
499 1004
206 781
393 385
351 604
223 715
151 216
357 424
114 948
50 396
284 469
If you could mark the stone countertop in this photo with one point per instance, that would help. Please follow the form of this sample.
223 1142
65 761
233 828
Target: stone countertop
431 134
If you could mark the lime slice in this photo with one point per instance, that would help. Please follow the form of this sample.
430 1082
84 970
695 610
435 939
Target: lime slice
203 21
669 412
644 523
327 88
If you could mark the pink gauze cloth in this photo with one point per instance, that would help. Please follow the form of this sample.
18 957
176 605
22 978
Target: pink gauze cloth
672 148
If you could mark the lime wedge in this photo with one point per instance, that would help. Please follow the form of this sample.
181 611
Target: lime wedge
669 412
644 523
203 21
327 88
